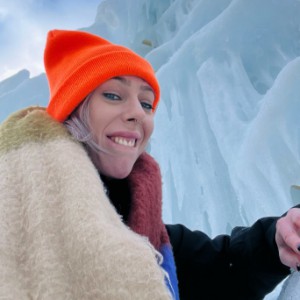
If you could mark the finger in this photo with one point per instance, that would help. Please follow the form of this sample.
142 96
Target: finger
289 258
295 216
287 236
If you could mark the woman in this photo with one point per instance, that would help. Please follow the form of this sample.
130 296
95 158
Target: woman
81 212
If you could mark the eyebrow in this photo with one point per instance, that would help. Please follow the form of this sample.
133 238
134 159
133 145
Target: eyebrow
127 82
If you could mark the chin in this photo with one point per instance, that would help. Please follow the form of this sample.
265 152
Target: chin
124 172
120 168
113 168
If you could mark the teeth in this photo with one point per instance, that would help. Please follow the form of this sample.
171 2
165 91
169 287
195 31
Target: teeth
124 142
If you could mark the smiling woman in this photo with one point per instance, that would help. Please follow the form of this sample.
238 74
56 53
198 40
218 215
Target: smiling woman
83 199
105 95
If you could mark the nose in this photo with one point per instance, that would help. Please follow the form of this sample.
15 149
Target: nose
134 111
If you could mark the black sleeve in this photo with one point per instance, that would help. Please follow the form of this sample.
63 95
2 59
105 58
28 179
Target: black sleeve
241 266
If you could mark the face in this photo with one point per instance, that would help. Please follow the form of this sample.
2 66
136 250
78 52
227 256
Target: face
121 121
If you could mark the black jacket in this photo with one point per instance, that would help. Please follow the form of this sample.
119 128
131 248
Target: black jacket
242 266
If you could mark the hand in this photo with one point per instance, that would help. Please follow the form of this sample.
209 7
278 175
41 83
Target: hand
287 238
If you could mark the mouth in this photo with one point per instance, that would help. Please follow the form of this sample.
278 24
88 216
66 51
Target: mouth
127 142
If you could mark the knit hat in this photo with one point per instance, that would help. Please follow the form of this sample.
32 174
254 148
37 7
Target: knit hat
77 62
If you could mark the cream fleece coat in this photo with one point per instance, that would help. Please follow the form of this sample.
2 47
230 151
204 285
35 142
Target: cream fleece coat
60 238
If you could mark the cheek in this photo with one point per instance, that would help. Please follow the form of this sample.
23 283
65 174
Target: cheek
149 129
98 118
96 129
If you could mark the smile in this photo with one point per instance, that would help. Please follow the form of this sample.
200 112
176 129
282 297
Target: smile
124 141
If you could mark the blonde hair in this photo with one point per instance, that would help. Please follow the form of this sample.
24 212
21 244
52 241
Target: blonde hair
79 127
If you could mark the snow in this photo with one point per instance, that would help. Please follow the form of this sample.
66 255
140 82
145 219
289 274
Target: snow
227 128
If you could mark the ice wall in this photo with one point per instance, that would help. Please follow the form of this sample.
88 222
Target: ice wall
20 91
229 111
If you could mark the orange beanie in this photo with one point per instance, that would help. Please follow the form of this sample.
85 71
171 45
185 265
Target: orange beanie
76 62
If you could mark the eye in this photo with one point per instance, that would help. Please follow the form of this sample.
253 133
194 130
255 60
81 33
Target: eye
111 96
147 106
